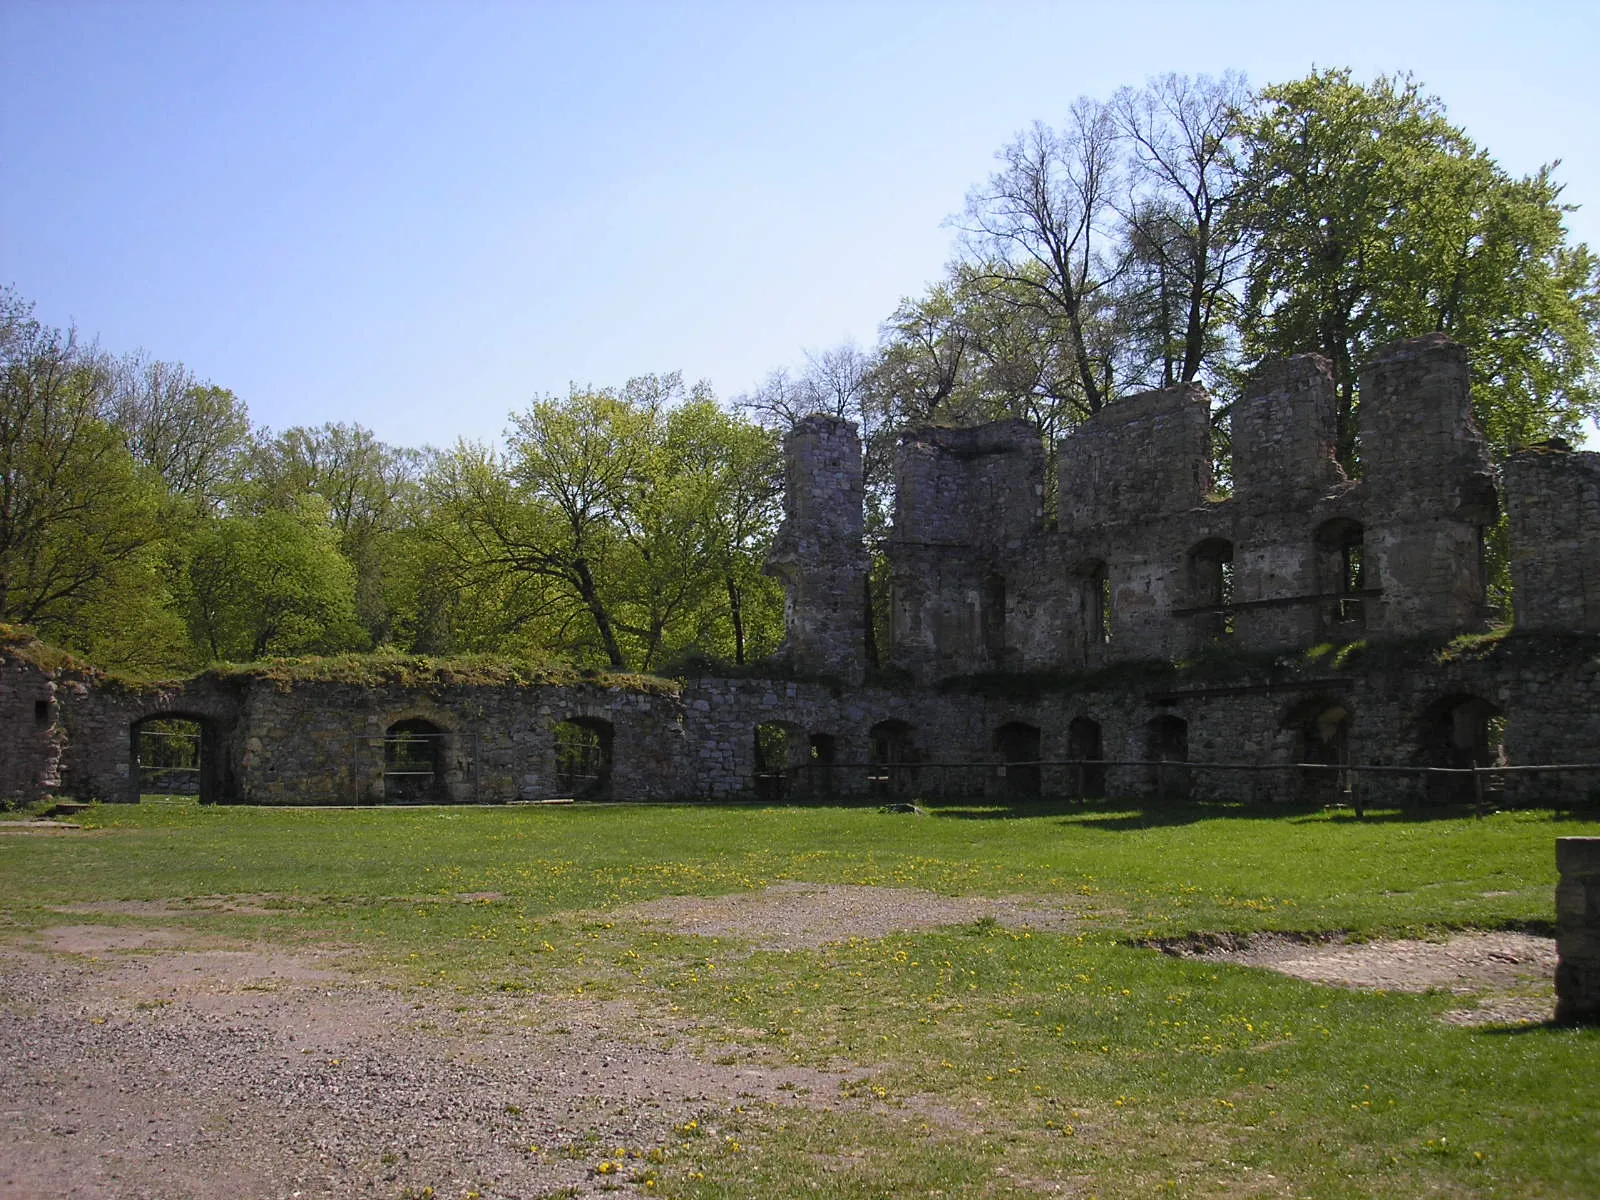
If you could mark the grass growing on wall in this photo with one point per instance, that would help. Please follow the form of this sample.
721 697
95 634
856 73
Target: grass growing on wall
1077 1056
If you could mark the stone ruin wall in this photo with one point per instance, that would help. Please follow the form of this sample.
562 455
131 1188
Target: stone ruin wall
996 622
980 583
32 740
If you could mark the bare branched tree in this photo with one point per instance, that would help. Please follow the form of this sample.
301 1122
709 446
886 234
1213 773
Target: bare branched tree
1184 163
1040 227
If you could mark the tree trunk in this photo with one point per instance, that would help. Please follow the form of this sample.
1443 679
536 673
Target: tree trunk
590 594
736 610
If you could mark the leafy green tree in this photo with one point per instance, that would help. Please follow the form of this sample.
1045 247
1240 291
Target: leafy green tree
80 522
719 479
1373 218
271 584
365 487
547 515
1039 233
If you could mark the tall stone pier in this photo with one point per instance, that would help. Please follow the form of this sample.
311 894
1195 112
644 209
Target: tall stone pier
819 552
1578 929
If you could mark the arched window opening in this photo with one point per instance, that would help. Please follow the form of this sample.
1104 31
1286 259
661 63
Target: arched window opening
1211 589
583 758
169 757
781 755
1084 749
1166 748
1461 732
1322 750
1341 575
822 753
894 759
1093 581
1018 746
993 612
413 763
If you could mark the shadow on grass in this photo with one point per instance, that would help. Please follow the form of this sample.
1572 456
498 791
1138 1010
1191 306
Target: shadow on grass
1118 815
1550 1026
1108 815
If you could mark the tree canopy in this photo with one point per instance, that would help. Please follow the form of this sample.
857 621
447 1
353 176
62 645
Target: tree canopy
1182 231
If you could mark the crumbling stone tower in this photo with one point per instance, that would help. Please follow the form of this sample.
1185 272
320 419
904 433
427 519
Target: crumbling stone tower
1298 522
1430 488
819 553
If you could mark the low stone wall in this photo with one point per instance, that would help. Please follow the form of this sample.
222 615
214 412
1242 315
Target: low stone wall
320 743
30 731
1578 929
1525 699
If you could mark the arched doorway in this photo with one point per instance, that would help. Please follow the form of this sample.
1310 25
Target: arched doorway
1018 747
781 749
1322 750
894 758
583 758
823 752
175 754
1461 731
1088 773
413 763
1166 749
1340 578
1211 590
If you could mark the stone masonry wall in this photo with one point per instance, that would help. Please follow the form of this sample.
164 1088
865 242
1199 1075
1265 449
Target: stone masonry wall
1431 488
1553 498
1578 929
819 552
30 731
1298 554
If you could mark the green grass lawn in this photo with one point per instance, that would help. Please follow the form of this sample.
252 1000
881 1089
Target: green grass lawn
1076 1056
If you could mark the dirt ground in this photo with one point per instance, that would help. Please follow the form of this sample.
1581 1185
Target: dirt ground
143 1062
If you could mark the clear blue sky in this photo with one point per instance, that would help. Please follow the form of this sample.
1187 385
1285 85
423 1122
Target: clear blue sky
418 216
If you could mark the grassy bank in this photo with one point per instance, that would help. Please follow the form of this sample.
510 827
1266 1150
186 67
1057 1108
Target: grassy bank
991 1060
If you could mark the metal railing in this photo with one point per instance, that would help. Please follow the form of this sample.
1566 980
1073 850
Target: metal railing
1161 779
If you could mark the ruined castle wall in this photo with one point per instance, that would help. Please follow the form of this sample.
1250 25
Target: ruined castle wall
30 730
1287 482
99 717
819 553
1285 433
975 487
1132 478
1553 499
968 519
1430 489
319 743
1143 457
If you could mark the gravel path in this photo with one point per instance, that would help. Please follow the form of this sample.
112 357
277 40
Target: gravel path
227 1073
144 1063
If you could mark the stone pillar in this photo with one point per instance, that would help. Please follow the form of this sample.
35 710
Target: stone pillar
1285 431
1578 929
819 552
1430 489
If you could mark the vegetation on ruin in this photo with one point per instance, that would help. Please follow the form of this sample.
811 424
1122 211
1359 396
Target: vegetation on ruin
982 1059
1174 233
429 673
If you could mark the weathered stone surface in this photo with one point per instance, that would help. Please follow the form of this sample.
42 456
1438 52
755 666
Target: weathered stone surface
31 737
819 552
1553 499
1578 929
